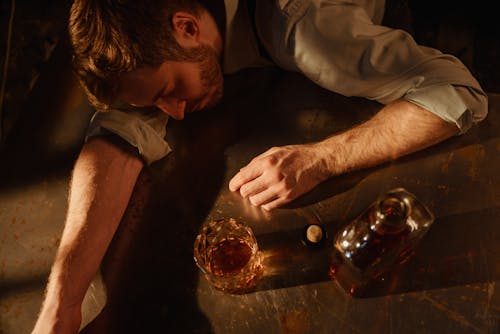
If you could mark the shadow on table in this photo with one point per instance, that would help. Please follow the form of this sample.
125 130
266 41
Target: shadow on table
458 250
148 270
289 261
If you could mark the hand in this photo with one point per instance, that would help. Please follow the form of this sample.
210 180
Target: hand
281 174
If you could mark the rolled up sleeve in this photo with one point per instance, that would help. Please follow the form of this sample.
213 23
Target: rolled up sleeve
445 102
337 45
144 129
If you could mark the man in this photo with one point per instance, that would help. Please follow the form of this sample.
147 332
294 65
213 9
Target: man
142 62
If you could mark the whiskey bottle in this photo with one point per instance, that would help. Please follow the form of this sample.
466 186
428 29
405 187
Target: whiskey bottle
381 237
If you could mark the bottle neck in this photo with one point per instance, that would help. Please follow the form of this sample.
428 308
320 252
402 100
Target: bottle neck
389 216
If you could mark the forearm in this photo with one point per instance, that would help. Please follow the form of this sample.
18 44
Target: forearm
103 180
397 129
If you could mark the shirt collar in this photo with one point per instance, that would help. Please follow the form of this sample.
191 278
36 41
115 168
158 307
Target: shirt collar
241 49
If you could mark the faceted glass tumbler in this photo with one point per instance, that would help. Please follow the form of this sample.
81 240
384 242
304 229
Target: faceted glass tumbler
227 254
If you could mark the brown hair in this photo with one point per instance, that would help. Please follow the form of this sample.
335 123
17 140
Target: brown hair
111 37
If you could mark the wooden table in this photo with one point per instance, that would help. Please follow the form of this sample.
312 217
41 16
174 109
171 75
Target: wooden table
153 285
448 286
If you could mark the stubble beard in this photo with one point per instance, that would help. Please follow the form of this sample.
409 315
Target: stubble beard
211 75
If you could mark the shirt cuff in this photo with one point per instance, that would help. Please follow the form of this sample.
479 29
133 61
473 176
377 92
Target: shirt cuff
144 130
444 102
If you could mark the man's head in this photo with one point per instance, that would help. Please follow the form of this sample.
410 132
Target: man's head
154 52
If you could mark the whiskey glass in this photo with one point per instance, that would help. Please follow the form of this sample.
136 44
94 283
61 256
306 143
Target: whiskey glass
227 254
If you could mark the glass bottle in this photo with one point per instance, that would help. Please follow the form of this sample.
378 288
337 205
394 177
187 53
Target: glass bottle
382 236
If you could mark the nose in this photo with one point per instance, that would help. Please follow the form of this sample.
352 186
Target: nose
171 106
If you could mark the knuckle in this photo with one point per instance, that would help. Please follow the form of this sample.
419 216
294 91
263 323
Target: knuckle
271 161
242 172
276 176
273 149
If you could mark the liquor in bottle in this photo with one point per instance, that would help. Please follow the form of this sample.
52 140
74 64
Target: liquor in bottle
382 236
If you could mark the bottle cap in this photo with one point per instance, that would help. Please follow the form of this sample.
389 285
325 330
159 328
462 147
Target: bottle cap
314 235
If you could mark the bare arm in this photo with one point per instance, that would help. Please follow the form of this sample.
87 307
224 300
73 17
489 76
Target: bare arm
282 174
103 179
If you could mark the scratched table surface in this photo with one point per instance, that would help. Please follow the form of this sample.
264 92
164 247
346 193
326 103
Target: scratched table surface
148 282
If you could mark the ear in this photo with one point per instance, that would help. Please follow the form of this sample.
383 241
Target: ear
186 29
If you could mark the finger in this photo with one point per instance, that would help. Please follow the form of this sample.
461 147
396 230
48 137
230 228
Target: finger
275 203
263 197
253 187
246 174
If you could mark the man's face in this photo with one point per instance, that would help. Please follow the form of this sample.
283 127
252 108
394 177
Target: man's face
175 87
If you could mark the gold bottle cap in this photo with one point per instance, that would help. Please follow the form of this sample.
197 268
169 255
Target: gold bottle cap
314 235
